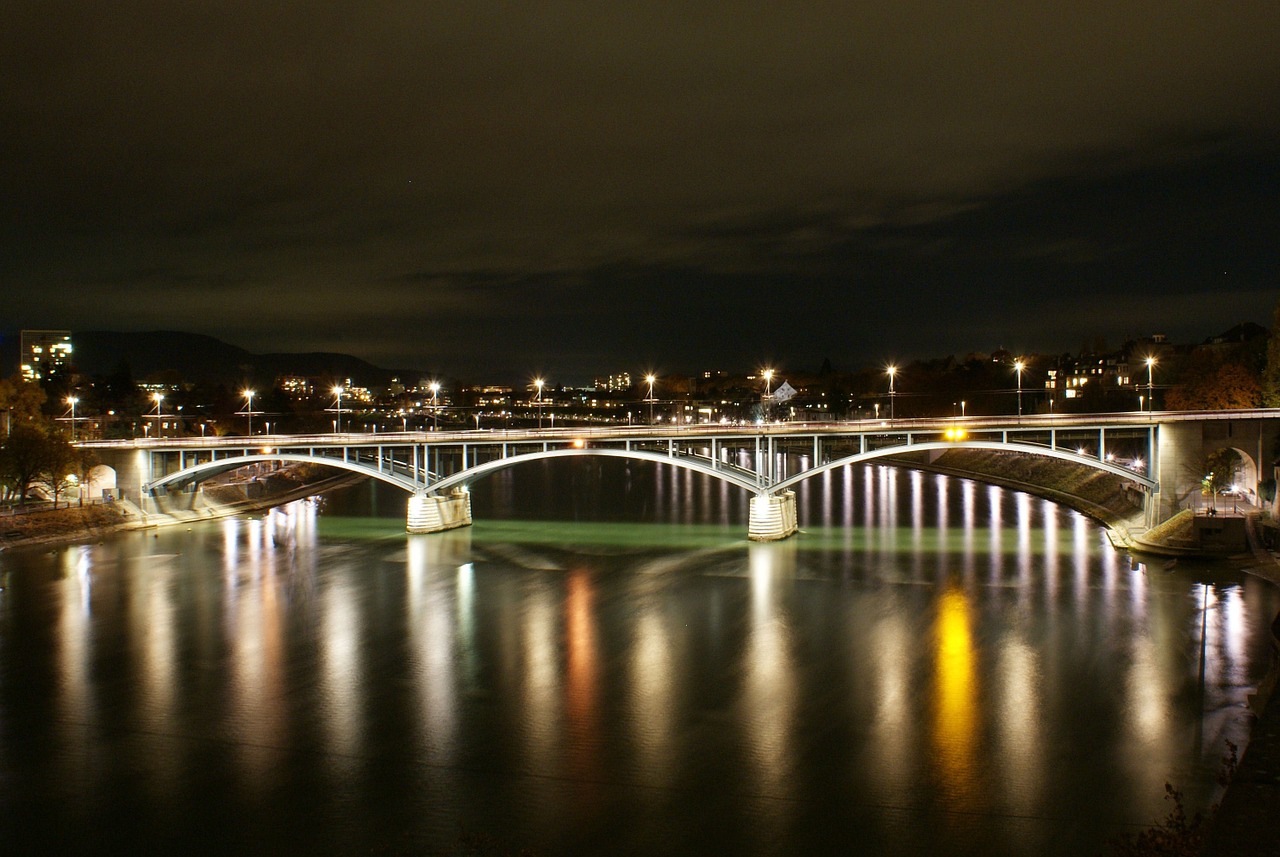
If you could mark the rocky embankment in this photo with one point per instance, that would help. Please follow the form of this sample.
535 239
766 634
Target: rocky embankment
64 524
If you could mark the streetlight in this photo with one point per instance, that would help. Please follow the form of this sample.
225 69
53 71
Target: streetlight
650 379
158 397
248 395
1018 366
71 400
538 382
962 409
1151 364
893 373
434 387
337 424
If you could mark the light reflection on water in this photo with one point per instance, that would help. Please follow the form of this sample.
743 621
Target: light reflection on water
895 680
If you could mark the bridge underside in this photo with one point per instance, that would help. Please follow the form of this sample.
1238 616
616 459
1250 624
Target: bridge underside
1103 490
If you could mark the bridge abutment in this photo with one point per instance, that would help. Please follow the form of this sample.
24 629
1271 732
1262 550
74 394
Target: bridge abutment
431 513
773 517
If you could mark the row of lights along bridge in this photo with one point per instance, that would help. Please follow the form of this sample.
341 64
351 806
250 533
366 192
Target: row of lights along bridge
537 401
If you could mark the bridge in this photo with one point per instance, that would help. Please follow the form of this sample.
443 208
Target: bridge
1157 459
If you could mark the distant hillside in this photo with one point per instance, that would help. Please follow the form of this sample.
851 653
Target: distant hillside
195 357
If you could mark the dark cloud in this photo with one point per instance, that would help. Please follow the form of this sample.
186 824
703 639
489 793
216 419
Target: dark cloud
478 187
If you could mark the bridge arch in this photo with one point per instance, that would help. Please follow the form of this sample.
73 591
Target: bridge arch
465 477
223 464
1147 483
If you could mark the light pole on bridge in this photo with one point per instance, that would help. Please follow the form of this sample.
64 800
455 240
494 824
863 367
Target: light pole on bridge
650 379
434 387
71 400
248 409
1151 365
1018 366
337 424
893 373
157 398
538 382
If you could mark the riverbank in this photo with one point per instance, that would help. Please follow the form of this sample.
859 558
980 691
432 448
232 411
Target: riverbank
65 525
1247 823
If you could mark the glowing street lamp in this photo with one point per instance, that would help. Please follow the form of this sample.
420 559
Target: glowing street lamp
337 424
248 396
893 373
768 380
434 387
71 400
650 379
538 382
1018 366
1151 365
158 398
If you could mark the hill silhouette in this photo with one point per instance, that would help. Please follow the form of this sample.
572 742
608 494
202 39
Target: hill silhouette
196 357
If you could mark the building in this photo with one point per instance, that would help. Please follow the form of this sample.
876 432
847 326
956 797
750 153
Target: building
44 354
619 383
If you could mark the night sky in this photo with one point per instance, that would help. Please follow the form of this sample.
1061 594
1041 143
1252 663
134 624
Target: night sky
498 189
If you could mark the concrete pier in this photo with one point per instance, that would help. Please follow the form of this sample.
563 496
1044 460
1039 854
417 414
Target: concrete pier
429 513
773 517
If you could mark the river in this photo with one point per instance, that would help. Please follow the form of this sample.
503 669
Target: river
603 664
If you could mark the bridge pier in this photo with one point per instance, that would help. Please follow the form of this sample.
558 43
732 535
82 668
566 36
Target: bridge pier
773 517
430 513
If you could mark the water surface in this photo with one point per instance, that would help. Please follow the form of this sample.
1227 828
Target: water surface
604 665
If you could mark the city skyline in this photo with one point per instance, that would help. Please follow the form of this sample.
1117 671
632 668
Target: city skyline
559 191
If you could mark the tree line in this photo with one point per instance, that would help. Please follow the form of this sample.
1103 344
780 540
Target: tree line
36 455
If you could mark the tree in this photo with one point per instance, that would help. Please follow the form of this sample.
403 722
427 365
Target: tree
1271 372
60 465
1213 383
20 400
24 458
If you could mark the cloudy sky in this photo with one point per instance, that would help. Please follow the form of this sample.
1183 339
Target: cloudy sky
570 188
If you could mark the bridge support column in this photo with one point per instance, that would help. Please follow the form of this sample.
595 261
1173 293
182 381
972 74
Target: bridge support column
429 513
773 517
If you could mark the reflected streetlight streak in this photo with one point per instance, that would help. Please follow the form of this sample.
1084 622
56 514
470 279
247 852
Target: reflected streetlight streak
582 679
340 677
652 698
769 687
1020 716
955 720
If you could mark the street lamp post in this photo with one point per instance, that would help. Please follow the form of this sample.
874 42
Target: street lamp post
71 400
650 379
538 382
1151 364
893 373
337 424
248 396
1018 366
435 406
158 398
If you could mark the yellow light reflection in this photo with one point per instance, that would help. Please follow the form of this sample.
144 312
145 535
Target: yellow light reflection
955 701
